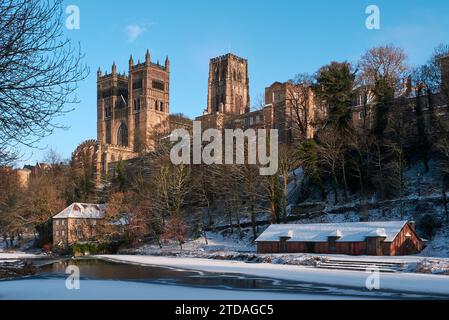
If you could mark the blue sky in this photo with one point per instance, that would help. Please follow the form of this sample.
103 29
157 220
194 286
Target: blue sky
279 38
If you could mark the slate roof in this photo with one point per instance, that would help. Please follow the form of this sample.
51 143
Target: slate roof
345 232
82 211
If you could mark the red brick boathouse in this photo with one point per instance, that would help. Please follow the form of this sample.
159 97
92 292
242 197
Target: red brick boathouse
390 238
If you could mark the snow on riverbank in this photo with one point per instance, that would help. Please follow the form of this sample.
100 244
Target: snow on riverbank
55 289
404 282
17 255
215 242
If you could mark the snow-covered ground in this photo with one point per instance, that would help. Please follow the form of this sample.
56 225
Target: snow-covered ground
17 256
215 242
403 282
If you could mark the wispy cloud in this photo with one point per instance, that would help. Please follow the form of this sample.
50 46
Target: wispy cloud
134 31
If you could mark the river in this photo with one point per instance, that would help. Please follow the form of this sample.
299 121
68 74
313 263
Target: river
101 279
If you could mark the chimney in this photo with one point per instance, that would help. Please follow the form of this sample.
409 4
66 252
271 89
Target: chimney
408 86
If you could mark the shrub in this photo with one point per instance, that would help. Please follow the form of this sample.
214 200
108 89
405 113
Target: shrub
82 248
47 247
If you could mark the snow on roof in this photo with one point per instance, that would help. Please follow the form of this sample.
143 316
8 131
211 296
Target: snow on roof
337 233
379 232
347 232
82 211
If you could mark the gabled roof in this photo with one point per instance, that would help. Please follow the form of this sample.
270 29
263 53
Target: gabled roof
346 232
82 211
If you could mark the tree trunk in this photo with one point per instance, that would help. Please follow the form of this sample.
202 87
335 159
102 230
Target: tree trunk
444 191
205 237
253 222
229 213
209 216
284 200
273 211
335 187
344 177
238 221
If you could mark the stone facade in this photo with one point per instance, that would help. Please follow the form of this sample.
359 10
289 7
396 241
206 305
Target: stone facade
67 231
228 89
228 104
78 222
131 110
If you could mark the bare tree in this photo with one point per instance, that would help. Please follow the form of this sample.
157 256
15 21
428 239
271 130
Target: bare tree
299 98
384 62
382 71
39 71
254 193
443 147
175 229
288 162
11 205
433 73
331 150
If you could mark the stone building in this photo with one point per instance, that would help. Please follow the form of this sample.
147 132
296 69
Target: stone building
228 103
78 222
131 110
228 87
433 103
294 110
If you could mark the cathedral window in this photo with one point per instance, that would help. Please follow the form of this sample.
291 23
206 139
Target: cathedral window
137 104
122 135
156 105
137 84
108 132
107 111
158 85
162 106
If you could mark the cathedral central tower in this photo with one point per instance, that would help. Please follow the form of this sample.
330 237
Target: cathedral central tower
228 90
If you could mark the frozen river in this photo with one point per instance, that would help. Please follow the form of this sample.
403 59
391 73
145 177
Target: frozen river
101 279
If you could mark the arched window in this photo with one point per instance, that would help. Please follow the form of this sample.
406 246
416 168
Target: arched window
122 135
108 132
217 74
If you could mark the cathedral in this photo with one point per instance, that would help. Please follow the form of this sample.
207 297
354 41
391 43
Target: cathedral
133 109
